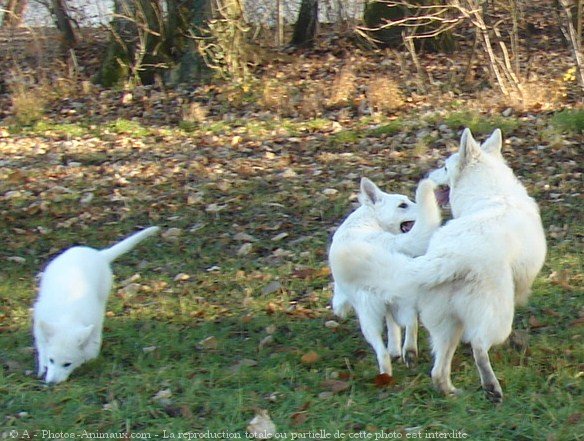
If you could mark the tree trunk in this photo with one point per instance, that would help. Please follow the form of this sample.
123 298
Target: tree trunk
13 13
135 51
63 22
306 25
193 16
279 23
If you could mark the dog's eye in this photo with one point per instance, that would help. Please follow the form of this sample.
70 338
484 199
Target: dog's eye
66 365
51 361
403 205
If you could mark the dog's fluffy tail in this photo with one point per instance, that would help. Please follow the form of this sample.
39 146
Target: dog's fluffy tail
115 251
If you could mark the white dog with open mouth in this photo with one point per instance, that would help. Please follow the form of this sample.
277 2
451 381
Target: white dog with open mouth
384 223
70 308
478 266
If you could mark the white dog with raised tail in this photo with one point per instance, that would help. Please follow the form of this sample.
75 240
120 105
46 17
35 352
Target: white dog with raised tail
70 308
384 223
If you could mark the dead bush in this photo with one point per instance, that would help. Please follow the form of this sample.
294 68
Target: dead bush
383 96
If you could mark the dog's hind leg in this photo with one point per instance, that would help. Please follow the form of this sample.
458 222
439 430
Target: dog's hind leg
445 339
488 379
371 321
393 336
407 316
410 350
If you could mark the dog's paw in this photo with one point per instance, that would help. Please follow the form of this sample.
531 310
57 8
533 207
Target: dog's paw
425 189
494 393
410 358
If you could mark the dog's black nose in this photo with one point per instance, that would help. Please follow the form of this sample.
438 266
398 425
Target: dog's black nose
424 175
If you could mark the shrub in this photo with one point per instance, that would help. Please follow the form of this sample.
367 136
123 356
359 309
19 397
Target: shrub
344 87
383 96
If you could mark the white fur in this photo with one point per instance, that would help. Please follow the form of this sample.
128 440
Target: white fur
477 267
70 308
374 229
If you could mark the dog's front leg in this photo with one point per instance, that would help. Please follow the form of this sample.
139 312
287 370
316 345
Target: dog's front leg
41 360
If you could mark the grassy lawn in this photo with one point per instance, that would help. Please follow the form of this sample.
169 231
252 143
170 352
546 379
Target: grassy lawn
226 313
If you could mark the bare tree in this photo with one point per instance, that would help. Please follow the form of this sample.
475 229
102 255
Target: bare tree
444 16
135 50
13 13
572 30
64 22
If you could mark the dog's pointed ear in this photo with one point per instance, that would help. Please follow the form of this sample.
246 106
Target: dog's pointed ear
370 193
469 148
83 335
494 143
47 329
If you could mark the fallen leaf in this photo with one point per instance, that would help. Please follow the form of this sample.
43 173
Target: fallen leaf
335 386
266 341
299 418
310 357
245 249
172 234
86 198
163 397
279 237
209 343
181 277
244 237
272 308
534 323
574 418
271 287
261 426
131 289
552 313
245 362
384 380
331 324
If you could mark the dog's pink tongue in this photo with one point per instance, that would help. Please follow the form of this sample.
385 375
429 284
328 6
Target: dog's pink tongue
442 195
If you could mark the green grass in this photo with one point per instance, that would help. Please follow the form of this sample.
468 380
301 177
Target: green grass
569 121
479 124
157 372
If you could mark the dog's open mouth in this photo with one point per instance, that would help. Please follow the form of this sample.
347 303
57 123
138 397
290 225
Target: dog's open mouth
406 226
442 194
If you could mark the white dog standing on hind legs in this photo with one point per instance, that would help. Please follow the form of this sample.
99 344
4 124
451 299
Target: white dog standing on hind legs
70 308
381 225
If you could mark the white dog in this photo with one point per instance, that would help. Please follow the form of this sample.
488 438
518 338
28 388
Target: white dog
477 266
70 308
529 230
382 224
